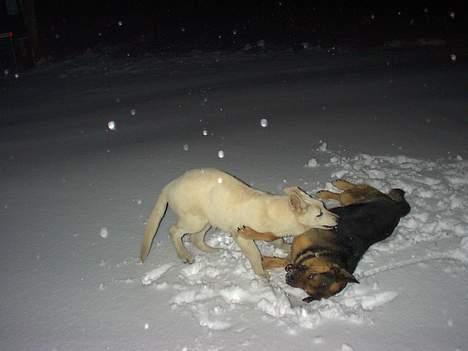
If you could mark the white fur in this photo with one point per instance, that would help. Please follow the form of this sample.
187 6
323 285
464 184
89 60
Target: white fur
204 198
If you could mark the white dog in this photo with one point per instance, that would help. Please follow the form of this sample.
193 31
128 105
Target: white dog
204 198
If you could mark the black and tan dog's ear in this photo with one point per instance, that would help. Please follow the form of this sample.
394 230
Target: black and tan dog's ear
309 299
296 199
343 275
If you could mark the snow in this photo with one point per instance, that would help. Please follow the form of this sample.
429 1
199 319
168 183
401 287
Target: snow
104 233
312 163
264 122
155 274
67 183
111 125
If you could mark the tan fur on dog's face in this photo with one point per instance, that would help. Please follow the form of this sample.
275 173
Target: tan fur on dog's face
319 282
310 212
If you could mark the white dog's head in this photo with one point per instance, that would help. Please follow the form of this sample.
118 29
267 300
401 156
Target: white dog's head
309 211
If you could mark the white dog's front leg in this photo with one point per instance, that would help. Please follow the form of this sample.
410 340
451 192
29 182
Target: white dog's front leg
252 253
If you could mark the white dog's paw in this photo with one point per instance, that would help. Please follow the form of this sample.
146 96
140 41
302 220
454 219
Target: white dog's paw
187 259
263 275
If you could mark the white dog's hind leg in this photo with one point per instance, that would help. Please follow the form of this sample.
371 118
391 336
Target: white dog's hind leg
250 250
177 233
198 239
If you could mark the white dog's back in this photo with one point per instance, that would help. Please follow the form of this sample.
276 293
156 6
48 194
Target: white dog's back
219 197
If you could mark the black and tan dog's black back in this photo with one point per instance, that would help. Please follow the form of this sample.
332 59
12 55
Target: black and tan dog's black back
364 224
322 262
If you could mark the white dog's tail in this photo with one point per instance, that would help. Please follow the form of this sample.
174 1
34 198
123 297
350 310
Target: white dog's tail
153 224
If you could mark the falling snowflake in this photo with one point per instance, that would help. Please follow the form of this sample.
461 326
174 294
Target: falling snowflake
111 125
264 122
104 233
221 154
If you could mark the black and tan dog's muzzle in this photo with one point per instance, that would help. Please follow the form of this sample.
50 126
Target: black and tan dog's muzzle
291 273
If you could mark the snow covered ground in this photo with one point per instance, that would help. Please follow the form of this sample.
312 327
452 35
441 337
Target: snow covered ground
86 145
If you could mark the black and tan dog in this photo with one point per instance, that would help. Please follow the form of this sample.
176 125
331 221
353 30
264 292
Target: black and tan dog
322 262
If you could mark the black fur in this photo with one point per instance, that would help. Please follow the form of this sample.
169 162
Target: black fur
362 225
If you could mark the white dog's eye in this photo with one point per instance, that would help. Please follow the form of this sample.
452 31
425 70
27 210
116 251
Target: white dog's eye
320 213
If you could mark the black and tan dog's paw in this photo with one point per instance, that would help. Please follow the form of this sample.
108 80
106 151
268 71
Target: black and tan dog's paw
327 195
244 232
343 184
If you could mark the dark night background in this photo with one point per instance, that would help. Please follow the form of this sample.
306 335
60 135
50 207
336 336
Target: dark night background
68 27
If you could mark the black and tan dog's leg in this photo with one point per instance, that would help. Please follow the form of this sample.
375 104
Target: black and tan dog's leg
343 184
270 262
352 193
356 193
328 195
249 233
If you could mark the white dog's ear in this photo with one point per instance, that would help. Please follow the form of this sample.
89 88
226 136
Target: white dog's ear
290 190
297 191
296 199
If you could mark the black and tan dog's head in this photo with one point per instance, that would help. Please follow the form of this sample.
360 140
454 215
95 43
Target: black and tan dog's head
319 280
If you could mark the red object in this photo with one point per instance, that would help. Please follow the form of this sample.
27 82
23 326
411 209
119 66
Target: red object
10 35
